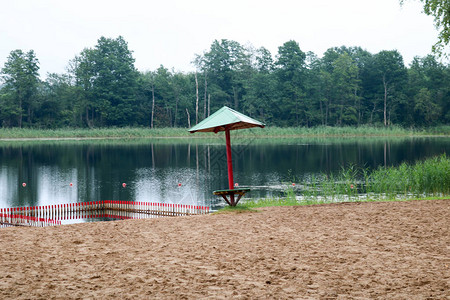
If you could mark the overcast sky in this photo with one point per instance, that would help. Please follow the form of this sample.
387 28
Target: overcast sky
171 32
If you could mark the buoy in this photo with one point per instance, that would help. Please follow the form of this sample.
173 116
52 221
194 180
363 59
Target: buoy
236 184
293 184
24 184
71 184
179 184
351 186
124 185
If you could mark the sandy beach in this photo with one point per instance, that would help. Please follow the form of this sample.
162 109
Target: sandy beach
385 250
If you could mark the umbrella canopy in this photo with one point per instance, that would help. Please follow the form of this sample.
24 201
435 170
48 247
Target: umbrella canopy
225 119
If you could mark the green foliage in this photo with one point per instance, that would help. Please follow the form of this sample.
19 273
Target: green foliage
290 73
21 78
425 108
227 65
342 86
107 81
345 87
390 75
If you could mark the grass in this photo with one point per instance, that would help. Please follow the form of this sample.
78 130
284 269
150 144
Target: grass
428 179
235 209
288 200
269 132
251 205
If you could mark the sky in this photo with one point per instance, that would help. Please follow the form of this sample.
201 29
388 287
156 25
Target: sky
172 32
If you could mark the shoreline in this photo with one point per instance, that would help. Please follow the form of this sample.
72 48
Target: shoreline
262 137
16 134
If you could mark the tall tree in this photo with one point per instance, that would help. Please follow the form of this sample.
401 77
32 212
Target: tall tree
200 63
261 86
146 98
426 110
182 90
82 68
164 98
116 81
21 77
391 73
227 64
290 70
428 81
58 105
109 80
327 64
345 82
315 90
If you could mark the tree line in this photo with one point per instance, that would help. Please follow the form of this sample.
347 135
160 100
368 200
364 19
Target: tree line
347 86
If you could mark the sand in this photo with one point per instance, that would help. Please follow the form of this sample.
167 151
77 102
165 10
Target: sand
392 250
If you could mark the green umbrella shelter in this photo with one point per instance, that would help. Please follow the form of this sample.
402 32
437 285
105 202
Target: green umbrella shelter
227 119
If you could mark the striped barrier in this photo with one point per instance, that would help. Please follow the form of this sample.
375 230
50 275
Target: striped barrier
49 215
8 220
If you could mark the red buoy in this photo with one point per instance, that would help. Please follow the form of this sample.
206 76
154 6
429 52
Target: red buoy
24 184
124 185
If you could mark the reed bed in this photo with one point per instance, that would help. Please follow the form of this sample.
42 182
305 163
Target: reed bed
423 180
430 177
134 132
347 131
75 133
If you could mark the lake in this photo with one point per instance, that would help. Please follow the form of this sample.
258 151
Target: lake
185 171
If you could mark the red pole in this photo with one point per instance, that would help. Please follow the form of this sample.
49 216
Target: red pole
230 165
229 160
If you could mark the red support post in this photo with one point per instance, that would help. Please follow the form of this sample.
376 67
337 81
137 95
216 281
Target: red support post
230 165
229 160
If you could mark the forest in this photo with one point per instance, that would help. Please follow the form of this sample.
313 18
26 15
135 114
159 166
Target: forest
346 86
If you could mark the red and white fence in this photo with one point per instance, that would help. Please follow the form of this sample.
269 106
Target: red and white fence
49 215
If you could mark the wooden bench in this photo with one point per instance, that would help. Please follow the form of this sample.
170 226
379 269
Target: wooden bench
231 193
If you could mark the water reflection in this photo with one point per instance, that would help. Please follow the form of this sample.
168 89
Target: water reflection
184 172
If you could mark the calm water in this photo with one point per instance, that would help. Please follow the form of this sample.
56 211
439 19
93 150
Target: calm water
183 172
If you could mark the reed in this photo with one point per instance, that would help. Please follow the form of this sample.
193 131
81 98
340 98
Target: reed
140 132
75 133
428 179
327 131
